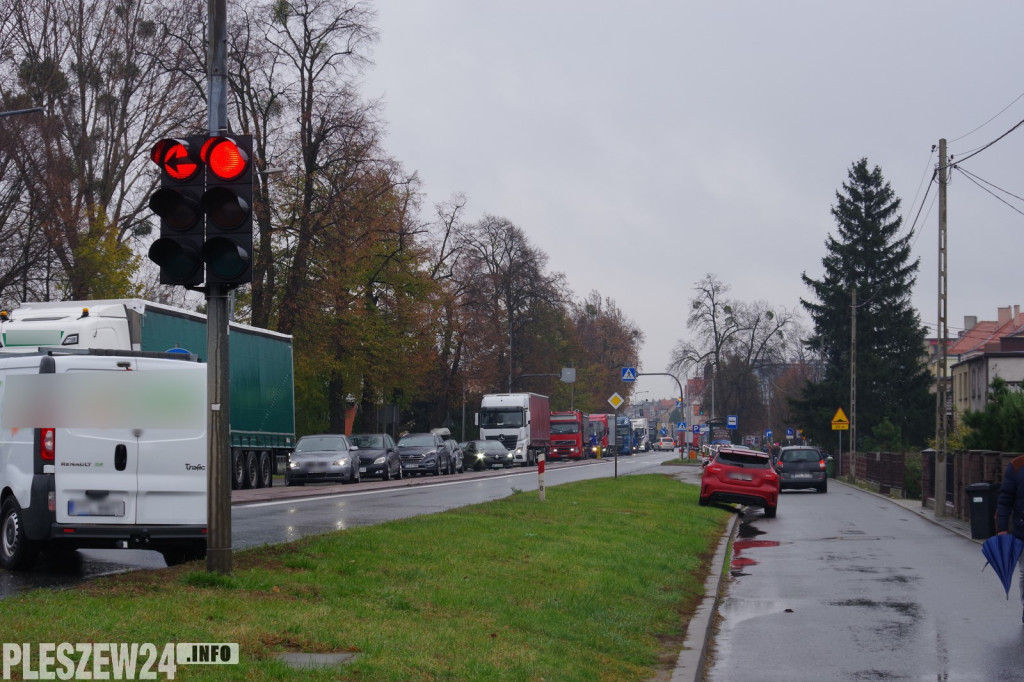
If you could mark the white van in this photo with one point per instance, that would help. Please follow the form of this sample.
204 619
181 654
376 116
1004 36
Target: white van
102 449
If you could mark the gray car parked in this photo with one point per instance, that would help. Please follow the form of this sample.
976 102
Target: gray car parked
425 453
378 455
802 467
323 457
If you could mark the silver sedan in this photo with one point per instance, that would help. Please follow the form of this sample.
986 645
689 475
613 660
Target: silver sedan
324 457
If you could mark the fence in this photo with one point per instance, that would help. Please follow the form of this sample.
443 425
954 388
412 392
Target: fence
886 472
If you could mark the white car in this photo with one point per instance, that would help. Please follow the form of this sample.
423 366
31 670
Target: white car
665 444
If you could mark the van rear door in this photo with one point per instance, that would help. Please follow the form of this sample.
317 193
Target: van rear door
130 470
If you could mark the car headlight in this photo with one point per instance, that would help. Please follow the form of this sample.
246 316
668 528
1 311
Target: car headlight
341 462
380 460
293 465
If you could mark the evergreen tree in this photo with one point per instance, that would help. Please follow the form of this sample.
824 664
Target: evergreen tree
868 255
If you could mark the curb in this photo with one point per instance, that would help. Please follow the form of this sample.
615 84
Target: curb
690 664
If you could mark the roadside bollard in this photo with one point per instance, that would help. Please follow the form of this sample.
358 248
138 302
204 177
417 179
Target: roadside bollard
540 475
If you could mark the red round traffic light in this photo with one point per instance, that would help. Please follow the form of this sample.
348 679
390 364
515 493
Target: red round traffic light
175 159
224 158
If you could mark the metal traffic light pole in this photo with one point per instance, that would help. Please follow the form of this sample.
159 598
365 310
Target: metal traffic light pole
218 470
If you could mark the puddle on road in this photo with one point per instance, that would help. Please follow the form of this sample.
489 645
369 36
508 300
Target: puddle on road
740 562
748 531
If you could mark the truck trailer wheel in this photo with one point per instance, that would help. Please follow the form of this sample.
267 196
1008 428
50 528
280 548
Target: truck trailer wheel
237 470
266 470
17 552
252 470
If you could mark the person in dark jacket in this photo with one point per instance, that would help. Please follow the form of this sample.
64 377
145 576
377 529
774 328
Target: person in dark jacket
1010 504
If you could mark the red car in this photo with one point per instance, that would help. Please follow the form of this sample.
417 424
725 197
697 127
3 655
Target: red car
741 476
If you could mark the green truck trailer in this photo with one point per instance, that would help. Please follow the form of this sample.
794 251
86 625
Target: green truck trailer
261 374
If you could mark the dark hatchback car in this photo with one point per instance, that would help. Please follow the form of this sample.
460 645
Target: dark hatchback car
741 476
321 458
425 453
378 455
802 467
486 454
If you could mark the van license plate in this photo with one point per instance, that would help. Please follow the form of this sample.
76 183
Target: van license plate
801 475
95 507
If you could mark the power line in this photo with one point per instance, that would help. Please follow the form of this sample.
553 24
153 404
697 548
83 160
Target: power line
984 147
926 215
924 174
990 120
990 184
978 182
920 208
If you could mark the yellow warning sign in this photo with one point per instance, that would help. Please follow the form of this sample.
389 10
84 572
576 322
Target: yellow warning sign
840 422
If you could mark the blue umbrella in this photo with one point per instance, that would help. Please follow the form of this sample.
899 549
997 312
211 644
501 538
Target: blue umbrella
1003 553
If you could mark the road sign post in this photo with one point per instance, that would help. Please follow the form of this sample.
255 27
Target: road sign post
616 402
540 476
840 423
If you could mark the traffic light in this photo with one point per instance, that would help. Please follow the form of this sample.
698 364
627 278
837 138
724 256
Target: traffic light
178 203
227 204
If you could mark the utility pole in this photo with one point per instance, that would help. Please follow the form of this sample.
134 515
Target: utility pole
218 470
853 385
940 369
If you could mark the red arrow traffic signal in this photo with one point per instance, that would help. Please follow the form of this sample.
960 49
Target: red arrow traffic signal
203 176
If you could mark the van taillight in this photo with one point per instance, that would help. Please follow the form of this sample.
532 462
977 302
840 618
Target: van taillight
46 442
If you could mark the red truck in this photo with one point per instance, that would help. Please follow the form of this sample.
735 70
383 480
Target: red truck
569 435
599 428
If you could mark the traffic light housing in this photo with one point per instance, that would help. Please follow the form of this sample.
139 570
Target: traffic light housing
227 205
205 209
178 204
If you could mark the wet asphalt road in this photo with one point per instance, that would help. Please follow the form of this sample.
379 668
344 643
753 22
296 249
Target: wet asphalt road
285 514
850 586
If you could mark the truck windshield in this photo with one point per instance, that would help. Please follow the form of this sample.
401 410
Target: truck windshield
562 427
502 418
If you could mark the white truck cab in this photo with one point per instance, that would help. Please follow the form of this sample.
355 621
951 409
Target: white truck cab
101 449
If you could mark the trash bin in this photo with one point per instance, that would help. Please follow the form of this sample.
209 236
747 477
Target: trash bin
830 467
982 500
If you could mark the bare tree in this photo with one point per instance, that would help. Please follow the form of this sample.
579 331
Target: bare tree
293 90
97 68
715 325
741 347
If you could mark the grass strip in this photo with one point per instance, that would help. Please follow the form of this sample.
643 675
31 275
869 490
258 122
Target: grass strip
595 583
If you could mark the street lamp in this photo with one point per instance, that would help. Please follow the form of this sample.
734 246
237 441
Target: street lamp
636 403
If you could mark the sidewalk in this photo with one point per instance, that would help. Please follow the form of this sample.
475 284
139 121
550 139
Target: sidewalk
690 664
948 522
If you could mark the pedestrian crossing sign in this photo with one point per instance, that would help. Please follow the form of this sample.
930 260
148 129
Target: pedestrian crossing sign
629 373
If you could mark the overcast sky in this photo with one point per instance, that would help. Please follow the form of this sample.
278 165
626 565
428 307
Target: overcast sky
644 144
